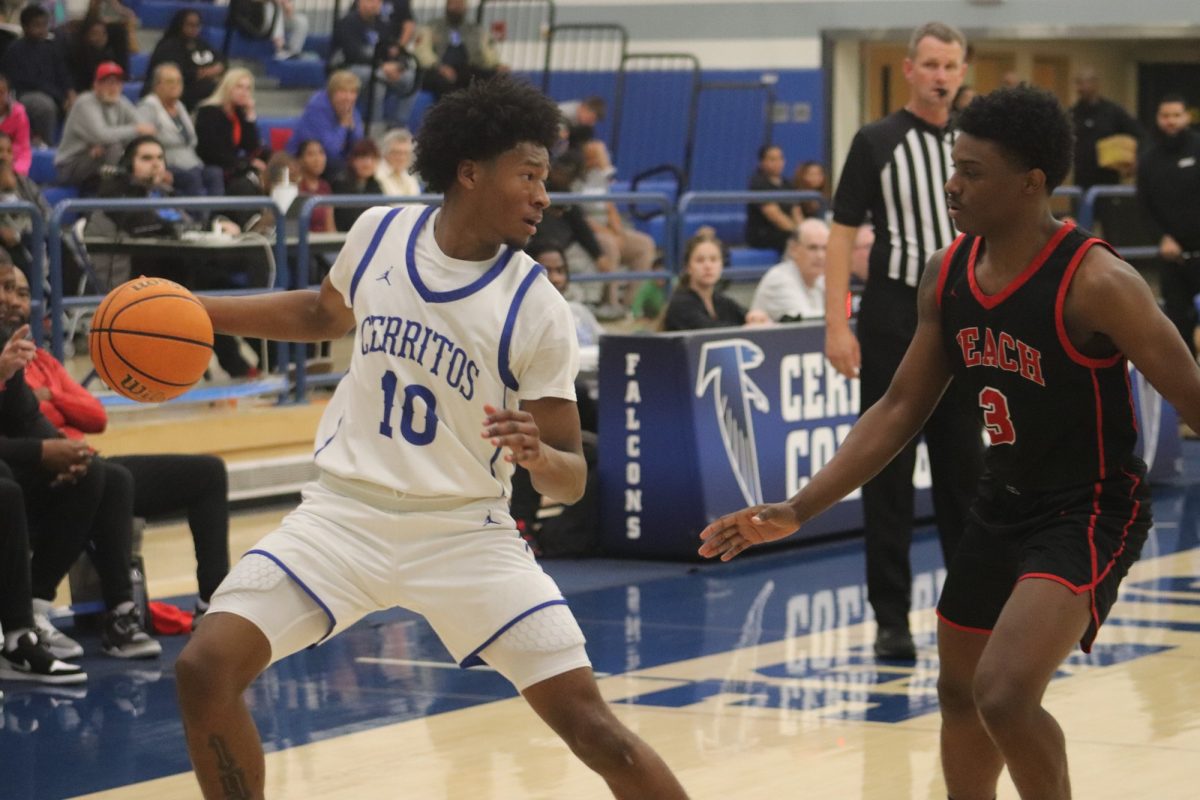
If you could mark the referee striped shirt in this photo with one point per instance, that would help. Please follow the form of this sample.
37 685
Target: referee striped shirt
896 171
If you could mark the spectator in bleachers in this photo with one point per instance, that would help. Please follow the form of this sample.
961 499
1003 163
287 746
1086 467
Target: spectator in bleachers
394 172
89 45
25 655
564 226
359 178
121 20
14 123
1106 142
697 302
310 166
195 486
587 328
580 118
768 225
289 30
454 51
182 45
173 127
16 229
810 177
1169 189
98 127
227 133
37 74
794 289
74 499
362 43
331 117
142 174
623 244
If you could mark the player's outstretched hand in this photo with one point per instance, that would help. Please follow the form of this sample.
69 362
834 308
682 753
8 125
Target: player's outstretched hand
733 533
515 431
17 352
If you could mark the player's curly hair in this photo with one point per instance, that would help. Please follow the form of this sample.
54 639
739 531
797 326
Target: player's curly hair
1027 123
480 122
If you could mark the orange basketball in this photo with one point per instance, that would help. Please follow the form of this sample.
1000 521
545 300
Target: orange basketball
150 340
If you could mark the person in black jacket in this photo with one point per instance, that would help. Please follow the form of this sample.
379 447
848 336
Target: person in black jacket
73 498
1169 187
182 44
90 44
698 303
359 178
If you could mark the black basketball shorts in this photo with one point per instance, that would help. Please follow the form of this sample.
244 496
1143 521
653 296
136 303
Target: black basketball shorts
1085 538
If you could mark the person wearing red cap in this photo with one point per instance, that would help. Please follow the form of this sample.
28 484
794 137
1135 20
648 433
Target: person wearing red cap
97 129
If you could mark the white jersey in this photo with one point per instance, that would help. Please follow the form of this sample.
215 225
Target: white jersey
436 338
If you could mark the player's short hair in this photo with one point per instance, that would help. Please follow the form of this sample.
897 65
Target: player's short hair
940 31
1029 124
479 123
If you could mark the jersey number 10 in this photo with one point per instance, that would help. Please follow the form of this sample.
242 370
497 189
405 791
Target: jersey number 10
407 411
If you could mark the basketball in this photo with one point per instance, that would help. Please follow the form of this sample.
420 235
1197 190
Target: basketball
150 340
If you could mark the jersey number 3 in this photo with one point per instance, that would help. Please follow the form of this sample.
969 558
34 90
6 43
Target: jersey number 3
408 412
996 419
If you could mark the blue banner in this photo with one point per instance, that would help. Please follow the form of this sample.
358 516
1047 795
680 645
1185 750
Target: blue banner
697 424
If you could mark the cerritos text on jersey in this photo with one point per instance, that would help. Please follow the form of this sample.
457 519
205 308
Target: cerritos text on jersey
1002 351
380 334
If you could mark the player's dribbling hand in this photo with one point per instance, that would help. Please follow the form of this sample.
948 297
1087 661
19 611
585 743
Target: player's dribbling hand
731 534
515 431
17 353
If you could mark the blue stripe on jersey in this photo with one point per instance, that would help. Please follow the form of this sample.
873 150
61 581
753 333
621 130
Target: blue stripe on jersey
307 591
371 248
430 296
336 428
473 660
506 375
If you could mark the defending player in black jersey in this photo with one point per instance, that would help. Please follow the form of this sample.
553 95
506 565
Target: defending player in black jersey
1037 319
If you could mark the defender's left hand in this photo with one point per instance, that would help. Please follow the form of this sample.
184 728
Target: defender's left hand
515 430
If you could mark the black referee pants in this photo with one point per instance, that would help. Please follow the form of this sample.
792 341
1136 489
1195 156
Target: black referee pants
1179 283
952 436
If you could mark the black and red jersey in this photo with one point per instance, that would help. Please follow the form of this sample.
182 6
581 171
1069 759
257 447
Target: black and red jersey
1055 416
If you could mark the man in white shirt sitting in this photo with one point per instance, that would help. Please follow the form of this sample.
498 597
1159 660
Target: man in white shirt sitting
794 289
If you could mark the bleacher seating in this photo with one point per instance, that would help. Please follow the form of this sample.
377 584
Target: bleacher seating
41 168
157 14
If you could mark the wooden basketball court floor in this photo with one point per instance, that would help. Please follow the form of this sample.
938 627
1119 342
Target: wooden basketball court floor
754 679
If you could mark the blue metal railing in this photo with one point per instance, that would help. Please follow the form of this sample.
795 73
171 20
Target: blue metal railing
47 257
76 205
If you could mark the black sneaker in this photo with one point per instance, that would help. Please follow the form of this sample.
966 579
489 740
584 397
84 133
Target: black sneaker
31 660
124 637
895 644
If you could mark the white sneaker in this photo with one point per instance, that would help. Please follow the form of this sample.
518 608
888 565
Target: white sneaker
58 643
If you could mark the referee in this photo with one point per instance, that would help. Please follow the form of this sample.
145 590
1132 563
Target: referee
895 172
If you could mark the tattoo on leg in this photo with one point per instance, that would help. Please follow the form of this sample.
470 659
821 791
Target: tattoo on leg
233 780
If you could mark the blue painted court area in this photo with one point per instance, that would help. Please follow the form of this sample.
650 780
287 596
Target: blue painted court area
123 726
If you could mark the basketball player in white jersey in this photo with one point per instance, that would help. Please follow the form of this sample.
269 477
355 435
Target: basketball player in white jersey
463 365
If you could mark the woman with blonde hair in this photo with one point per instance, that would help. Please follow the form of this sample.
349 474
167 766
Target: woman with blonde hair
331 117
227 133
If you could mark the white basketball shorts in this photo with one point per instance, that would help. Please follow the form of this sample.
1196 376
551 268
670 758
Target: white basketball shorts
337 558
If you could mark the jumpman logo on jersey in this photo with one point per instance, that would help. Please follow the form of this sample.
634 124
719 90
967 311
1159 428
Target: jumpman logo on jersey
385 276
489 521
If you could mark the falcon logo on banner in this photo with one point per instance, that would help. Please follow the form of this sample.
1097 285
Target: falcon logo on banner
723 365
